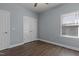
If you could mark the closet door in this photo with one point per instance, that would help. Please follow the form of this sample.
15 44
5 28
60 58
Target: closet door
29 28
4 29
33 28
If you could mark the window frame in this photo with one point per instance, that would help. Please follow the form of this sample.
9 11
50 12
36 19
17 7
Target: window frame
67 36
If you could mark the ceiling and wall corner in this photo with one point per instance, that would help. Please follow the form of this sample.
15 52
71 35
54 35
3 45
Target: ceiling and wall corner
41 7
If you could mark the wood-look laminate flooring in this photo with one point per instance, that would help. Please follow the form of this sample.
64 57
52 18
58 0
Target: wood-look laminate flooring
38 48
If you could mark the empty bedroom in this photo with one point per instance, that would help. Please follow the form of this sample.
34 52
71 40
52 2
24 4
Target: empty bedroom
39 29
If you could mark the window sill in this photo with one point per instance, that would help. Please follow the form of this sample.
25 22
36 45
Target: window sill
69 36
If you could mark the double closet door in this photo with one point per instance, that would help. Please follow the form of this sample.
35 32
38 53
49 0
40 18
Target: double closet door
29 28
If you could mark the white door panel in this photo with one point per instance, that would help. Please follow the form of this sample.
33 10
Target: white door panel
30 28
4 29
33 28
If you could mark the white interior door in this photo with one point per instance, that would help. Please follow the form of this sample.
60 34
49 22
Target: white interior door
30 28
4 29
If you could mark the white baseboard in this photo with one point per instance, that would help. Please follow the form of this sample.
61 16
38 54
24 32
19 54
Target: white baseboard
18 44
13 46
69 47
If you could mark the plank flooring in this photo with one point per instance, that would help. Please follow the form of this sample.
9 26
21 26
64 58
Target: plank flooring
38 48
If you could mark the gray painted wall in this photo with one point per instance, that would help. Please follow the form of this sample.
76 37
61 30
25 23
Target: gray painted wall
49 25
16 21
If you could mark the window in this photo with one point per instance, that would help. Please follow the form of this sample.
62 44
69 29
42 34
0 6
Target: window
70 24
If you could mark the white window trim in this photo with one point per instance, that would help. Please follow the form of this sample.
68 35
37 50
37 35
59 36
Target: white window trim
68 36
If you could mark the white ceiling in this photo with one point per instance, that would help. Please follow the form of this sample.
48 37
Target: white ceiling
41 7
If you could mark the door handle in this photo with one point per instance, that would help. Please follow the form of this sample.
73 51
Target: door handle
30 31
5 32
